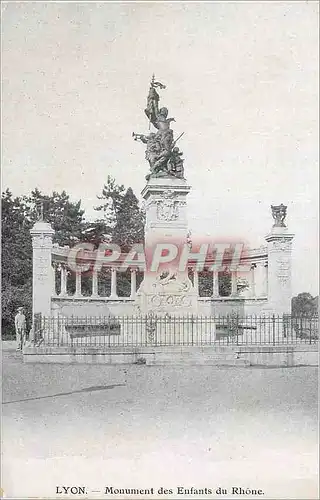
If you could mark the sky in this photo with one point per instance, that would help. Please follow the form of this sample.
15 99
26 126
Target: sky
242 84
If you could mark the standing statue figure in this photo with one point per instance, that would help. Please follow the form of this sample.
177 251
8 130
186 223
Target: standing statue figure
279 213
163 156
158 117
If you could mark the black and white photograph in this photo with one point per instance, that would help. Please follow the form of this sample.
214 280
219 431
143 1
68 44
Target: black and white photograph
160 253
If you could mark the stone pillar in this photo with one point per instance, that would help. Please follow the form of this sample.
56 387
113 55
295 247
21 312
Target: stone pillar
253 280
113 294
234 288
265 280
53 274
133 284
94 292
78 284
215 284
63 277
196 281
42 234
279 266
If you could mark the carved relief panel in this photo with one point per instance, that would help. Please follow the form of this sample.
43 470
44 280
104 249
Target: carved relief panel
167 208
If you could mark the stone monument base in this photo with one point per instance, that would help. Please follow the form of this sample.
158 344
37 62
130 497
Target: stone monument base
169 292
166 290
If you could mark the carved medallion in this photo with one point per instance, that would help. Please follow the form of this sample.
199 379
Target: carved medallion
167 208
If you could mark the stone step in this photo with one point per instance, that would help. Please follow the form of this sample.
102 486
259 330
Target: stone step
238 363
196 359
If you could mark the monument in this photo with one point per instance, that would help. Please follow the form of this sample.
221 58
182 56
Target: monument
167 289
167 309
42 275
279 262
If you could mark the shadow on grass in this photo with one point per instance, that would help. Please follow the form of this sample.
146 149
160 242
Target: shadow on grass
86 389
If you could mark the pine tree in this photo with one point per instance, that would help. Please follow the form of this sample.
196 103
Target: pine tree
65 216
112 194
129 227
124 223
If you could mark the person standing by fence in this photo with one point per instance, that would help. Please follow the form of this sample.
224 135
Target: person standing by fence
20 326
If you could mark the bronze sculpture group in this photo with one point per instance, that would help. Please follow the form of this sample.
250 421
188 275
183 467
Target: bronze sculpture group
164 157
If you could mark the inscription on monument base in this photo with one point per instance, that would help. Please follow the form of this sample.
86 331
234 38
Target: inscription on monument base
283 271
163 301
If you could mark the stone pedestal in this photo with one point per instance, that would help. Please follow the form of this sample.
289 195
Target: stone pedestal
166 289
279 270
42 234
166 214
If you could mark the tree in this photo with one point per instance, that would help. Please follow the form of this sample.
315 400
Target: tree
129 227
16 259
121 221
123 224
304 304
96 232
206 286
65 216
18 216
112 194
101 230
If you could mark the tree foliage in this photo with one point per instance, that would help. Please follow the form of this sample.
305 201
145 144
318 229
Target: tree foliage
206 285
18 216
16 258
111 197
304 304
129 227
121 221
122 217
66 217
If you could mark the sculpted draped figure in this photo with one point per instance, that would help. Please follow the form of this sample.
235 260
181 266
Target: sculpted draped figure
163 155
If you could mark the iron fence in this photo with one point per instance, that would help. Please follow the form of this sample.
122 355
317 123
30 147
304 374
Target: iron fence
153 330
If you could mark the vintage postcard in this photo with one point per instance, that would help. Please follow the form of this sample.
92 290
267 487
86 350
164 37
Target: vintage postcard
160 250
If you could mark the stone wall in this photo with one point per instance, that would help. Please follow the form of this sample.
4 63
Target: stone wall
241 356
227 305
92 307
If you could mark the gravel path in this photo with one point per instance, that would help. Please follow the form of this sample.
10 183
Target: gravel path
142 427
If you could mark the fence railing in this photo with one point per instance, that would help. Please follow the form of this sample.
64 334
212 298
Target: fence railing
153 330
